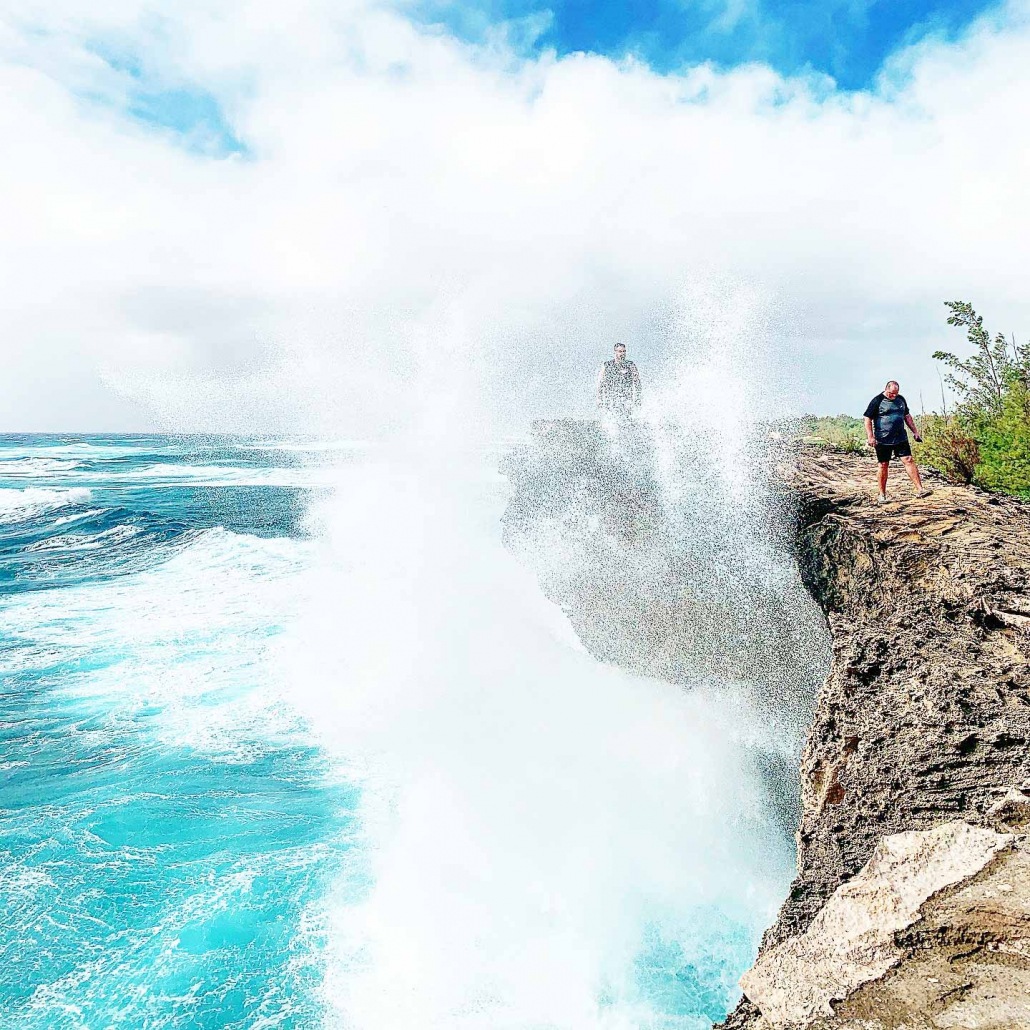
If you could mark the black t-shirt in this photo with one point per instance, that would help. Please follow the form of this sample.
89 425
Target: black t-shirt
620 379
888 419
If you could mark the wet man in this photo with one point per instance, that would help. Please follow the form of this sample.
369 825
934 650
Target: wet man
885 421
618 384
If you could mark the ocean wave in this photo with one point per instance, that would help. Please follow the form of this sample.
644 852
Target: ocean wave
34 468
226 475
163 473
16 504
77 516
86 541
191 630
39 551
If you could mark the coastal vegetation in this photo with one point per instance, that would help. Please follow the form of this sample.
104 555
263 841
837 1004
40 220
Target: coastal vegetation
843 433
985 438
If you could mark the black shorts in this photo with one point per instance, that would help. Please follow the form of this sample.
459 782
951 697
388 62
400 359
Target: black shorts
886 451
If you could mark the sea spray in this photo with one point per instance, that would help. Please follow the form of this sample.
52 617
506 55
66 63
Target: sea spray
551 842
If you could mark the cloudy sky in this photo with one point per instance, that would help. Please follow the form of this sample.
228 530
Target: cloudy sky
243 214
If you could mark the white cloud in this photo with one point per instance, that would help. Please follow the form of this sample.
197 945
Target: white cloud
415 210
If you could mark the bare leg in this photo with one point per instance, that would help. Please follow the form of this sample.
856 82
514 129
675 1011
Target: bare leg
884 469
913 472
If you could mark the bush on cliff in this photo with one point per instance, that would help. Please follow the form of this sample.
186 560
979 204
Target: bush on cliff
948 447
987 439
1005 445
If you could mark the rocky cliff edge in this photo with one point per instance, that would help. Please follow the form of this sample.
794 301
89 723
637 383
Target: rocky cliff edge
911 907
912 903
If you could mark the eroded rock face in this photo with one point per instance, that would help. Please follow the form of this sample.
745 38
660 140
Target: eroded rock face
924 719
964 964
665 568
925 715
918 891
923 722
660 572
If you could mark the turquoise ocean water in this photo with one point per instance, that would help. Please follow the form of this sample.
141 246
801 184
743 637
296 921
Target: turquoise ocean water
172 839
164 837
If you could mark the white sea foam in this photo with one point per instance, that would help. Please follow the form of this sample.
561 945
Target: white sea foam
190 638
35 468
18 504
77 516
171 474
533 818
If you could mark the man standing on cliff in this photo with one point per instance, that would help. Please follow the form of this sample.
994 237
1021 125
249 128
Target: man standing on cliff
885 421
618 385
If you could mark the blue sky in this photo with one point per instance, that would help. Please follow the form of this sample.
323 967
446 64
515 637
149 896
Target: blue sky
184 109
847 39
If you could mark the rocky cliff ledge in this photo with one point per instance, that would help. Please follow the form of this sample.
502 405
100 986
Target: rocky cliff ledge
911 908
912 902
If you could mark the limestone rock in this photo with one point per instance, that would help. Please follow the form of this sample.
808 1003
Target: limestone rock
1011 812
856 938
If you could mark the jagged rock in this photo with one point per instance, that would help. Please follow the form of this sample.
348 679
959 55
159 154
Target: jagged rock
654 568
856 938
925 715
660 572
1011 813
923 720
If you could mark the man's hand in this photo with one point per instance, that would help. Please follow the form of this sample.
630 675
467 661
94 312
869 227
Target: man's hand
919 439
870 442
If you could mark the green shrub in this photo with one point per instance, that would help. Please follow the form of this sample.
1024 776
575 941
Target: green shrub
837 438
838 432
987 439
1005 446
948 447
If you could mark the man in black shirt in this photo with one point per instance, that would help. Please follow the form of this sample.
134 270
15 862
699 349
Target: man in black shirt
618 384
885 421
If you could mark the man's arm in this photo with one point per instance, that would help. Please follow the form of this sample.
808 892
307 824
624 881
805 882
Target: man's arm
911 423
636 385
870 411
600 388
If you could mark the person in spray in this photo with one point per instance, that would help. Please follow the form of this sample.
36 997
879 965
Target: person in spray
885 421
618 384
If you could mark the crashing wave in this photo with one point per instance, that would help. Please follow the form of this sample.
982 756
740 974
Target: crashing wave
16 505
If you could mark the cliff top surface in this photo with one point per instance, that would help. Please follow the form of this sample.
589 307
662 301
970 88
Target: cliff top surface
961 547
963 519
